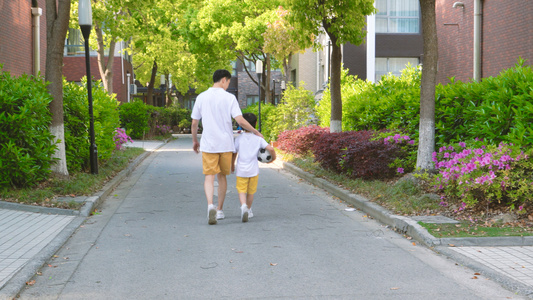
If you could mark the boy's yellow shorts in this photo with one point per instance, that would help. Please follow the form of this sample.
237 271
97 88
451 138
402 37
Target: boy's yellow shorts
214 163
247 184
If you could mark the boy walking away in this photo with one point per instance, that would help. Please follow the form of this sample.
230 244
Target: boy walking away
216 107
247 145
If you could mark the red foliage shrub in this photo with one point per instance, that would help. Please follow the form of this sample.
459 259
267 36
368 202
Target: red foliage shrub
300 141
356 155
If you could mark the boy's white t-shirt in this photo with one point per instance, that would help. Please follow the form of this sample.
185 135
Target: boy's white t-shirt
247 146
216 108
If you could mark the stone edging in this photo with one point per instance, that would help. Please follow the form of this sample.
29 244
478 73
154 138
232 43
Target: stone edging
400 223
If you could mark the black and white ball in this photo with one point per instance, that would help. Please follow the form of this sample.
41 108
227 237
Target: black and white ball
264 156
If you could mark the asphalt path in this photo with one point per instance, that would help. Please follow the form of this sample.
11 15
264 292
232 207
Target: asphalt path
150 240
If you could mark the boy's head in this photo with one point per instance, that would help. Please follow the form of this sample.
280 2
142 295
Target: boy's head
219 74
251 118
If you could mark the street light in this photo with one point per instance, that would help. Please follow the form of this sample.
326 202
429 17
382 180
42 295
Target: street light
259 71
86 22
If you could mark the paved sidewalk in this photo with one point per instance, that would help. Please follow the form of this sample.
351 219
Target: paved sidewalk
23 235
31 235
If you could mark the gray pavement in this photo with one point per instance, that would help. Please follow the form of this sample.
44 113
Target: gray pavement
263 259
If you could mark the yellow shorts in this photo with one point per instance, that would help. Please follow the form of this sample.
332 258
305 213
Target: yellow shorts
214 163
247 184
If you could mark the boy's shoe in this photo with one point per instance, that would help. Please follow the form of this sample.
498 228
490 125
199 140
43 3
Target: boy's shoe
211 214
244 213
220 215
250 213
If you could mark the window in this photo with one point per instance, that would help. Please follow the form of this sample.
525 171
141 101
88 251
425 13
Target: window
394 65
250 65
397 16
74 44
234 68
251 100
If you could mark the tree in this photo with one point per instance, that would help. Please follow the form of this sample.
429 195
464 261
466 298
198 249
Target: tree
233 29
343 21
426 145
282 40
57 22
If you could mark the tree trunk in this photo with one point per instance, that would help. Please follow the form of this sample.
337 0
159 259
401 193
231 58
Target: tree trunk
105 68
150 93
335 87
57 19
169 91
426 145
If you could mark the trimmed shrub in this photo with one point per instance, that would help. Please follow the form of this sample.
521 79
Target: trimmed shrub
76 117
300 141
134 117
357 154
25 140
499 109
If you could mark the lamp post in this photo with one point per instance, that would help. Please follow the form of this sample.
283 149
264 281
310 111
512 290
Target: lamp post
86 21
259 71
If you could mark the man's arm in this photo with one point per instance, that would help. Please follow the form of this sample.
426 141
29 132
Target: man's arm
194 131
244 124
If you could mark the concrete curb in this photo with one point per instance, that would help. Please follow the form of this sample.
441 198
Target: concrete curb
11 289
411 228
400 223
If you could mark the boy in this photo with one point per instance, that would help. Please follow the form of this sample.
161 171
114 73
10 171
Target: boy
247 146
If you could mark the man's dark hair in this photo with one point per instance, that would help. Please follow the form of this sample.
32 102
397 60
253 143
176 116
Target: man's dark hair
251 118
219 74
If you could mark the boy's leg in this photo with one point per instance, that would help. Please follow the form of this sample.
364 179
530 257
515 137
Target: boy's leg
252 188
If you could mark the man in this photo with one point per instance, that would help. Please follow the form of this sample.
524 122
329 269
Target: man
216 107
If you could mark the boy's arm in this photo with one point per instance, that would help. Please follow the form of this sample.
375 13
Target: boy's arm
272 152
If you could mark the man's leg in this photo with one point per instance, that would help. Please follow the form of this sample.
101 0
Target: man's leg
222 188
209 187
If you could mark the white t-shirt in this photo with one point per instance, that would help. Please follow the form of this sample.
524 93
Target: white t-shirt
216 107
247 146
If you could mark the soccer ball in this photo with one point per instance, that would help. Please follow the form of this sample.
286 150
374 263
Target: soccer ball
264 156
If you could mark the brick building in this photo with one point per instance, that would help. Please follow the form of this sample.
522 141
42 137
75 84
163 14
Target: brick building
506 33
74 65
23 36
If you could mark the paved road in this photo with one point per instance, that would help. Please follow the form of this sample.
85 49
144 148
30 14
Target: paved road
152 241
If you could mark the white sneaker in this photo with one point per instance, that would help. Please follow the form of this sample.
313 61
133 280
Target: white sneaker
244 213
250 213
220 215
211 214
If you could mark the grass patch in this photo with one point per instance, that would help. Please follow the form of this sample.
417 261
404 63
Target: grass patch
468 229
403 198
78 183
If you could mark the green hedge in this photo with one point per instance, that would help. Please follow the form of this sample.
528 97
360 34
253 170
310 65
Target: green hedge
296 110
145 121
497 109
25 140
106 121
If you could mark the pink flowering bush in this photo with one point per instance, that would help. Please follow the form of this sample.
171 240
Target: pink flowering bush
405 162
121 138
483 173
